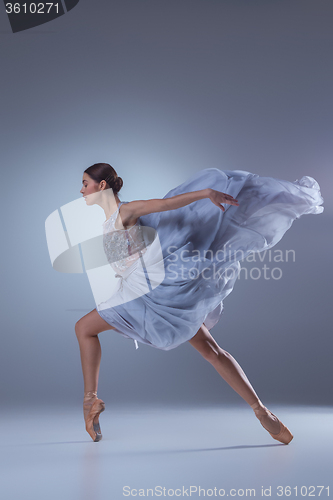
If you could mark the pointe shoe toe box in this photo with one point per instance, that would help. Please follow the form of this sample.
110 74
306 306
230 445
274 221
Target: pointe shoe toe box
284 436
93 427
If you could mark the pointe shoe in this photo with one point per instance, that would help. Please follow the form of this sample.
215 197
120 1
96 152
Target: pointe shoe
92 407
284 435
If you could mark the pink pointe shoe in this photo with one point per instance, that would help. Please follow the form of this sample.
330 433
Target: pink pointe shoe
92 407
284 435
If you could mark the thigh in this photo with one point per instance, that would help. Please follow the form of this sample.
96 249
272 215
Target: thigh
93 324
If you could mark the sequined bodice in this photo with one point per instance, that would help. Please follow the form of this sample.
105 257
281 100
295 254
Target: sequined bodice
122 246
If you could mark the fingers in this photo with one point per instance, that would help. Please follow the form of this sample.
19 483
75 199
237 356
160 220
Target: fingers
231 198
228 197
224 198
231 201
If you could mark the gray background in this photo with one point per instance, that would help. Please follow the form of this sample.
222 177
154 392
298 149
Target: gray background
162 89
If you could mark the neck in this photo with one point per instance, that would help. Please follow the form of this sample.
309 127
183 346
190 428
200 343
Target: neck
110 203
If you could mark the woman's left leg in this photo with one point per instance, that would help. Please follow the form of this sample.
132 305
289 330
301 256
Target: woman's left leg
232 373
87 330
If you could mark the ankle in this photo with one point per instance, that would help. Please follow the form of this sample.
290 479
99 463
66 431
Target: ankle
257 406
90 395
256 403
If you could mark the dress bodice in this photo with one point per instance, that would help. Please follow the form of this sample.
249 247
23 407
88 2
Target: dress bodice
122 246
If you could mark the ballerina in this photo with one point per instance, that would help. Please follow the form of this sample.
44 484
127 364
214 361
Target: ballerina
257 212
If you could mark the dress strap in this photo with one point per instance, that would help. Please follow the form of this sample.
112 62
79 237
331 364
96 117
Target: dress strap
121 203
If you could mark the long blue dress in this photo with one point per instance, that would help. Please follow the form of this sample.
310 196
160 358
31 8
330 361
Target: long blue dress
202 247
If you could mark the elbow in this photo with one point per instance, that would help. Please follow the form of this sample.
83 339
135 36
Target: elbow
160 205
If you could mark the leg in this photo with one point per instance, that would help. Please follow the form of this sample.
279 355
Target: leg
232 373
87 330
224 364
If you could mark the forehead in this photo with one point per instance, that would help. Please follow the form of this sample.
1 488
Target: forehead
86 177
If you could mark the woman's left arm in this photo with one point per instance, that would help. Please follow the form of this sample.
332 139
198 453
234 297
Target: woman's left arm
135 209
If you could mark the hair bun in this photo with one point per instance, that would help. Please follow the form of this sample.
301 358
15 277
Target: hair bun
118 184
105 172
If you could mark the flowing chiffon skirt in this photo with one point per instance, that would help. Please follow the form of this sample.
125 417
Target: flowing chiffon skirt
202 247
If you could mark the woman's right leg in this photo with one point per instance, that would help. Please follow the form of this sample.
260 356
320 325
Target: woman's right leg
226 365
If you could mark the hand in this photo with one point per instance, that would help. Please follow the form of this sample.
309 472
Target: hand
217 198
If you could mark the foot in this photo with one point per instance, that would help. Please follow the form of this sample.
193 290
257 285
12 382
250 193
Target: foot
92 407
271 423
88 399
267 419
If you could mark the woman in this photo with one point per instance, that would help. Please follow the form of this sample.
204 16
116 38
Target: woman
258 212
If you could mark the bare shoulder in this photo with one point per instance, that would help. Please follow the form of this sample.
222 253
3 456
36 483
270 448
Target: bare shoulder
126 217
135 209
130 212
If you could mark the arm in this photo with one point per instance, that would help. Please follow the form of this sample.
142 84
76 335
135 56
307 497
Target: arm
135 209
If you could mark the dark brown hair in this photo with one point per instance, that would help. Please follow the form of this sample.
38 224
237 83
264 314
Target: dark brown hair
104 172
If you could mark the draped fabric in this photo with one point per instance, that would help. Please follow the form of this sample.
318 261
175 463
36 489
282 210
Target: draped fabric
202 248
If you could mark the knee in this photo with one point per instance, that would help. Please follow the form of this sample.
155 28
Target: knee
80 328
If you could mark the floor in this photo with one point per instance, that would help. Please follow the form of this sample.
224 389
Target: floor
164 452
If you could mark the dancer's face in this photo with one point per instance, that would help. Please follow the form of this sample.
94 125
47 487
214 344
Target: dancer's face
89 190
